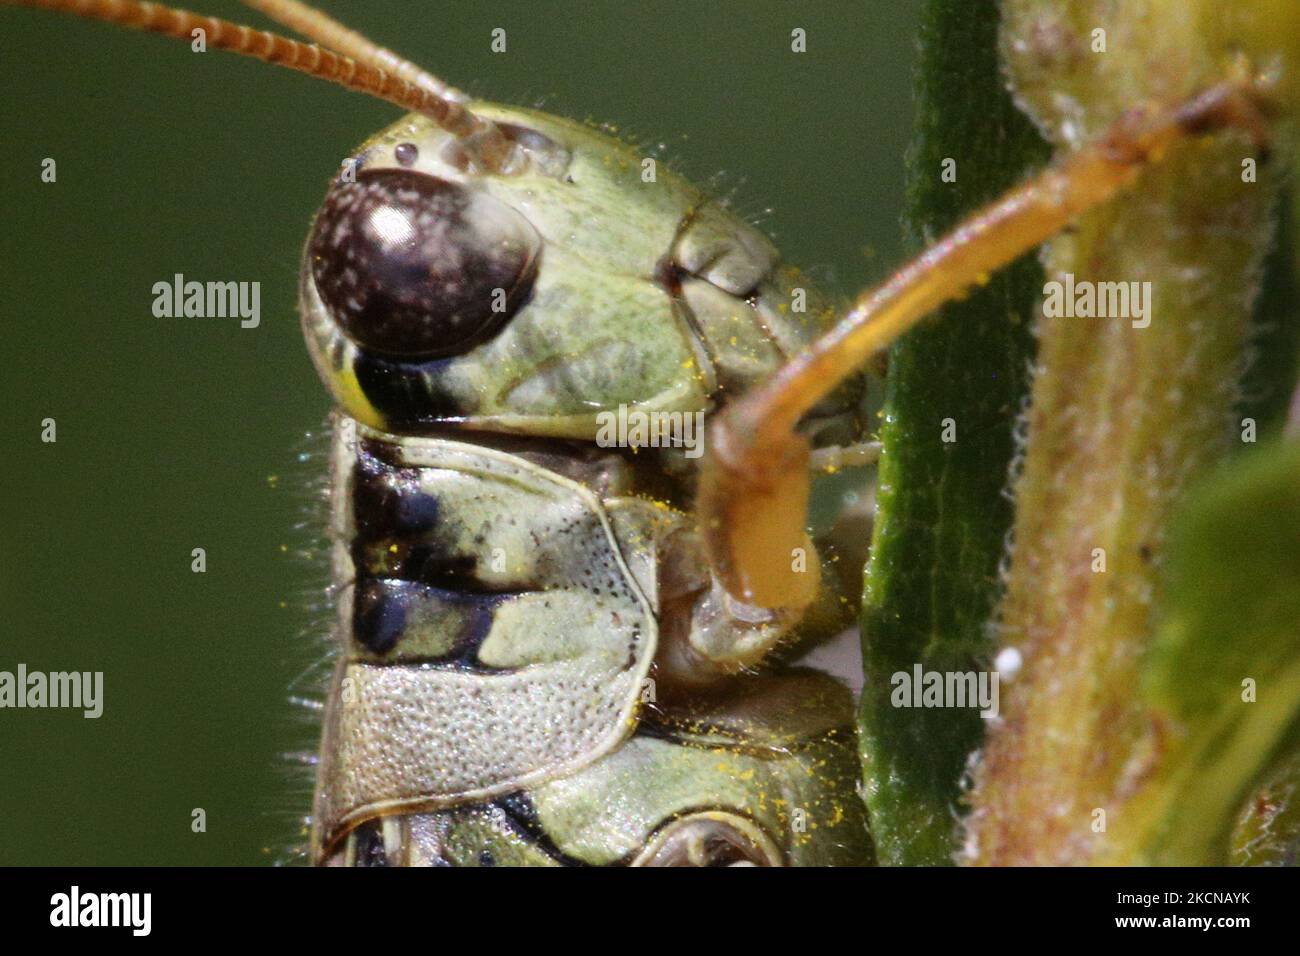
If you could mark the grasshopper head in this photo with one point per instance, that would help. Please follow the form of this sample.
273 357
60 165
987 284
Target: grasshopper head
435 294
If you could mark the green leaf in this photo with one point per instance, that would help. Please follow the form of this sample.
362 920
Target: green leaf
942 518
1223 678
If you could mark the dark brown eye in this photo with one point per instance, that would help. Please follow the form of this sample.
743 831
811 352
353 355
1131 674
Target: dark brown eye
417 267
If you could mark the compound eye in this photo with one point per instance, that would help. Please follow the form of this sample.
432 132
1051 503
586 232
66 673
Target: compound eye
413 266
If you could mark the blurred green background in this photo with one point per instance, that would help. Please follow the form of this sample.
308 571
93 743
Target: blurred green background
170 430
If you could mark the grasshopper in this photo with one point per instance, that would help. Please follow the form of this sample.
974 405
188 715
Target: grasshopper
553 651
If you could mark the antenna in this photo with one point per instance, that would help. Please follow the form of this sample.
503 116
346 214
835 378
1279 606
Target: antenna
344 58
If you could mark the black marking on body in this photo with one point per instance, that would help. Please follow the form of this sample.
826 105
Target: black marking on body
368 845
452 572
521 816
378 620
382 609
399 564
387 501
407 394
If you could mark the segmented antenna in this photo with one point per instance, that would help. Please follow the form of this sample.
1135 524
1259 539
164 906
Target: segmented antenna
323 29
345 58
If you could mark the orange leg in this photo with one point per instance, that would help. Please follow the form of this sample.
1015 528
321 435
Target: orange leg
753 493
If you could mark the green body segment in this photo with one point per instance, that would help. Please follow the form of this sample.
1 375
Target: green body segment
494 702
537 665
493 634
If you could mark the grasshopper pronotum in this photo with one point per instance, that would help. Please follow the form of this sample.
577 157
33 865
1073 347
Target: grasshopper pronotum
488 548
